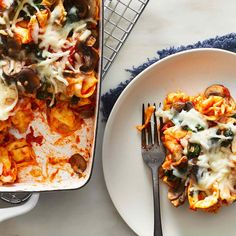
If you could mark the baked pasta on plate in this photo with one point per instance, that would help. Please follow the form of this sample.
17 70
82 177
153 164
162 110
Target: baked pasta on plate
199 134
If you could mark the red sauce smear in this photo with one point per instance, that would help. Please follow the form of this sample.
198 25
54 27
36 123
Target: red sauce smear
30 138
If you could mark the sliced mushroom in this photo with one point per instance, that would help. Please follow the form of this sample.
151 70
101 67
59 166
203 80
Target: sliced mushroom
180 200
179 106
181 164
83 8
188 106
89 57
78 163
77 9
10 69
93 39
177 196
217 90
28 79
84 112
9 46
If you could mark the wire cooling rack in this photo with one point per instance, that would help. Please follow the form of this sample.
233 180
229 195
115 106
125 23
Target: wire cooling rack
120 17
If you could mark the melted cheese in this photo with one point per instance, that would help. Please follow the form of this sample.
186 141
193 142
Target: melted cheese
8 100
205 137
191 118
216 167
216 163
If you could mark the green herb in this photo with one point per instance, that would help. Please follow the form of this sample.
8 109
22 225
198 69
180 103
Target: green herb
186 128
194 150
199 127
228 133
183 170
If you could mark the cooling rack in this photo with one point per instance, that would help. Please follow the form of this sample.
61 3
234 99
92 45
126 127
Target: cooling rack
120 16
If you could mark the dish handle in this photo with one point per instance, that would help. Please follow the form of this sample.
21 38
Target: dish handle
10 212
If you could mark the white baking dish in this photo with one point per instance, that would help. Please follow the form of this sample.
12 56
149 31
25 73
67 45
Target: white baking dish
64 178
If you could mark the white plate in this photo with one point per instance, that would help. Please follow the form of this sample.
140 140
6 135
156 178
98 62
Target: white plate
127 178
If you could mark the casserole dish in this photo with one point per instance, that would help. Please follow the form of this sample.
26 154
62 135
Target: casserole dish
51 60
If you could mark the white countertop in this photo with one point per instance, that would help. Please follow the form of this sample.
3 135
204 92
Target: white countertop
89 211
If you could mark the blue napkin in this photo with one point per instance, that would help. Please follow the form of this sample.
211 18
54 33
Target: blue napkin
227 42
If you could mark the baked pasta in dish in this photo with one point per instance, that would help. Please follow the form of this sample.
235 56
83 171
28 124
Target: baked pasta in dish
199 134
49 54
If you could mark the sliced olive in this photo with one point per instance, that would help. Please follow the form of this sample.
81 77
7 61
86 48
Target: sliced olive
78 163
194 150
179 106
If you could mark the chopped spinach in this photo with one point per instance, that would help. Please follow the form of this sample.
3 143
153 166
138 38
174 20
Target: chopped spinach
194 150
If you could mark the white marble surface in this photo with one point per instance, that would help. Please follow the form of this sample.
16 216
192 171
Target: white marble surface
90 211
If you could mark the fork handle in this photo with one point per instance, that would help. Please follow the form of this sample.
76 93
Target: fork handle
156 197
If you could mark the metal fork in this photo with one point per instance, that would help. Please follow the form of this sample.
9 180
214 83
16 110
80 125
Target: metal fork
153 154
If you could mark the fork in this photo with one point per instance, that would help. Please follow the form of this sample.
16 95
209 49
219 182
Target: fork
153 154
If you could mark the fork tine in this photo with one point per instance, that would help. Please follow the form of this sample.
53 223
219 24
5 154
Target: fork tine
143 135
160 133
155 127
149 131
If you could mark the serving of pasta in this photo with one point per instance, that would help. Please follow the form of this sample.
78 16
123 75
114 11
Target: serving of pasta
199 134
49 56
